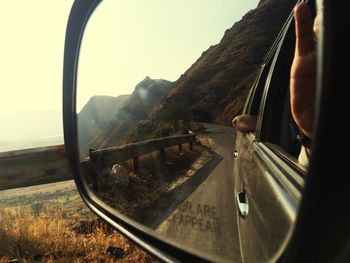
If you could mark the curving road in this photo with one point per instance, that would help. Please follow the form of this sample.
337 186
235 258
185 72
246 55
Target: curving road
206 219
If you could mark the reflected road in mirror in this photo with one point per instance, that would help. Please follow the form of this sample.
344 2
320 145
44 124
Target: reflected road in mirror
181 186
207 216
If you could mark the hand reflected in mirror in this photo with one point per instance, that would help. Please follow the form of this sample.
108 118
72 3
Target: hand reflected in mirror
303 77
245 123
303 71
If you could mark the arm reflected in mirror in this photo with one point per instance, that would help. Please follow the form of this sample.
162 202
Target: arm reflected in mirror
245 123
303 77
303 71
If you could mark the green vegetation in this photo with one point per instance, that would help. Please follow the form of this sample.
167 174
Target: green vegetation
178 116
171 121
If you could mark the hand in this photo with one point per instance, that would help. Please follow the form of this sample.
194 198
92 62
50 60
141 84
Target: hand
303 71
245 123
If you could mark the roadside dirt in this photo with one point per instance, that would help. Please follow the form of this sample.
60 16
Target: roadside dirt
156 177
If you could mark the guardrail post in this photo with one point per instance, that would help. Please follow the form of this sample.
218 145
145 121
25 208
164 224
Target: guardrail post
136 164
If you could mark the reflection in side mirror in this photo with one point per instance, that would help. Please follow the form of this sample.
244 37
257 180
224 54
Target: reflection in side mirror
245 123
158 150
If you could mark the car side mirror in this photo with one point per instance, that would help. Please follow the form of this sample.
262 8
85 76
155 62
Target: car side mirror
155 157
151 172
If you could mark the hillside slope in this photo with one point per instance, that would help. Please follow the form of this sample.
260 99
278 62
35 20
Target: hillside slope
95 116
107 121
214 88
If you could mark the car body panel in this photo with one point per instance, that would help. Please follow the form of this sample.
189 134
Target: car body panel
272 202
271 177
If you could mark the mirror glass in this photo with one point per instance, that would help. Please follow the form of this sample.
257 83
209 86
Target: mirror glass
158 85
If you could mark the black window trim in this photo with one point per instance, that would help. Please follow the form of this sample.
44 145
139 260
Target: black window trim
266 65
261 115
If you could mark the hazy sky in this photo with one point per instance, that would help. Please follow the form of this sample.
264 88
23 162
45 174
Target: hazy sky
31 53
156 38
125 41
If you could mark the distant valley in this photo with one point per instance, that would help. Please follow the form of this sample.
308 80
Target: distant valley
30 129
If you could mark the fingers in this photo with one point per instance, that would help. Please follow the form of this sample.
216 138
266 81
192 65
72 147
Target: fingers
303 30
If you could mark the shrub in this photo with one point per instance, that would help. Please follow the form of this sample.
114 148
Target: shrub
178 116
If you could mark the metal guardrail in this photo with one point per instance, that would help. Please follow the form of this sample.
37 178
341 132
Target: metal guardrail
34 166
46 165
114 155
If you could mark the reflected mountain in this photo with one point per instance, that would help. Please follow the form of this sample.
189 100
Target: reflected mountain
97 113
107 121
214 88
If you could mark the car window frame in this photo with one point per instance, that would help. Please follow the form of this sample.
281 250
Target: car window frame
256 92
283 156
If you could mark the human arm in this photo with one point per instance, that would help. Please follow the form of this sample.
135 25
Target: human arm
303 70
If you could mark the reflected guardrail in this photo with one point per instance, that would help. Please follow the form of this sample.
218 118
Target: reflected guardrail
44 165
115 155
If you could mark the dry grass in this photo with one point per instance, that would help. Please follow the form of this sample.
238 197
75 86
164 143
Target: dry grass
49 237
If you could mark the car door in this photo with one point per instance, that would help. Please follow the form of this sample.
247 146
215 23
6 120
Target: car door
268 177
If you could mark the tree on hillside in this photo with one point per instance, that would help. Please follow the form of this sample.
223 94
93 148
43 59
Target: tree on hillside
178 116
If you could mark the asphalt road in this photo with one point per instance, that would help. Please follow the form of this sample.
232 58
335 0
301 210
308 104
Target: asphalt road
206 220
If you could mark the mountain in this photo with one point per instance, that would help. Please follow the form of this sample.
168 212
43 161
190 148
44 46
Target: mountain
95 116
100 109
106 121
214 88
147 94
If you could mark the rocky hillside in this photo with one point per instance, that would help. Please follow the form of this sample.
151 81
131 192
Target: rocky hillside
95 116
214 88
106 121
100 109
147 94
